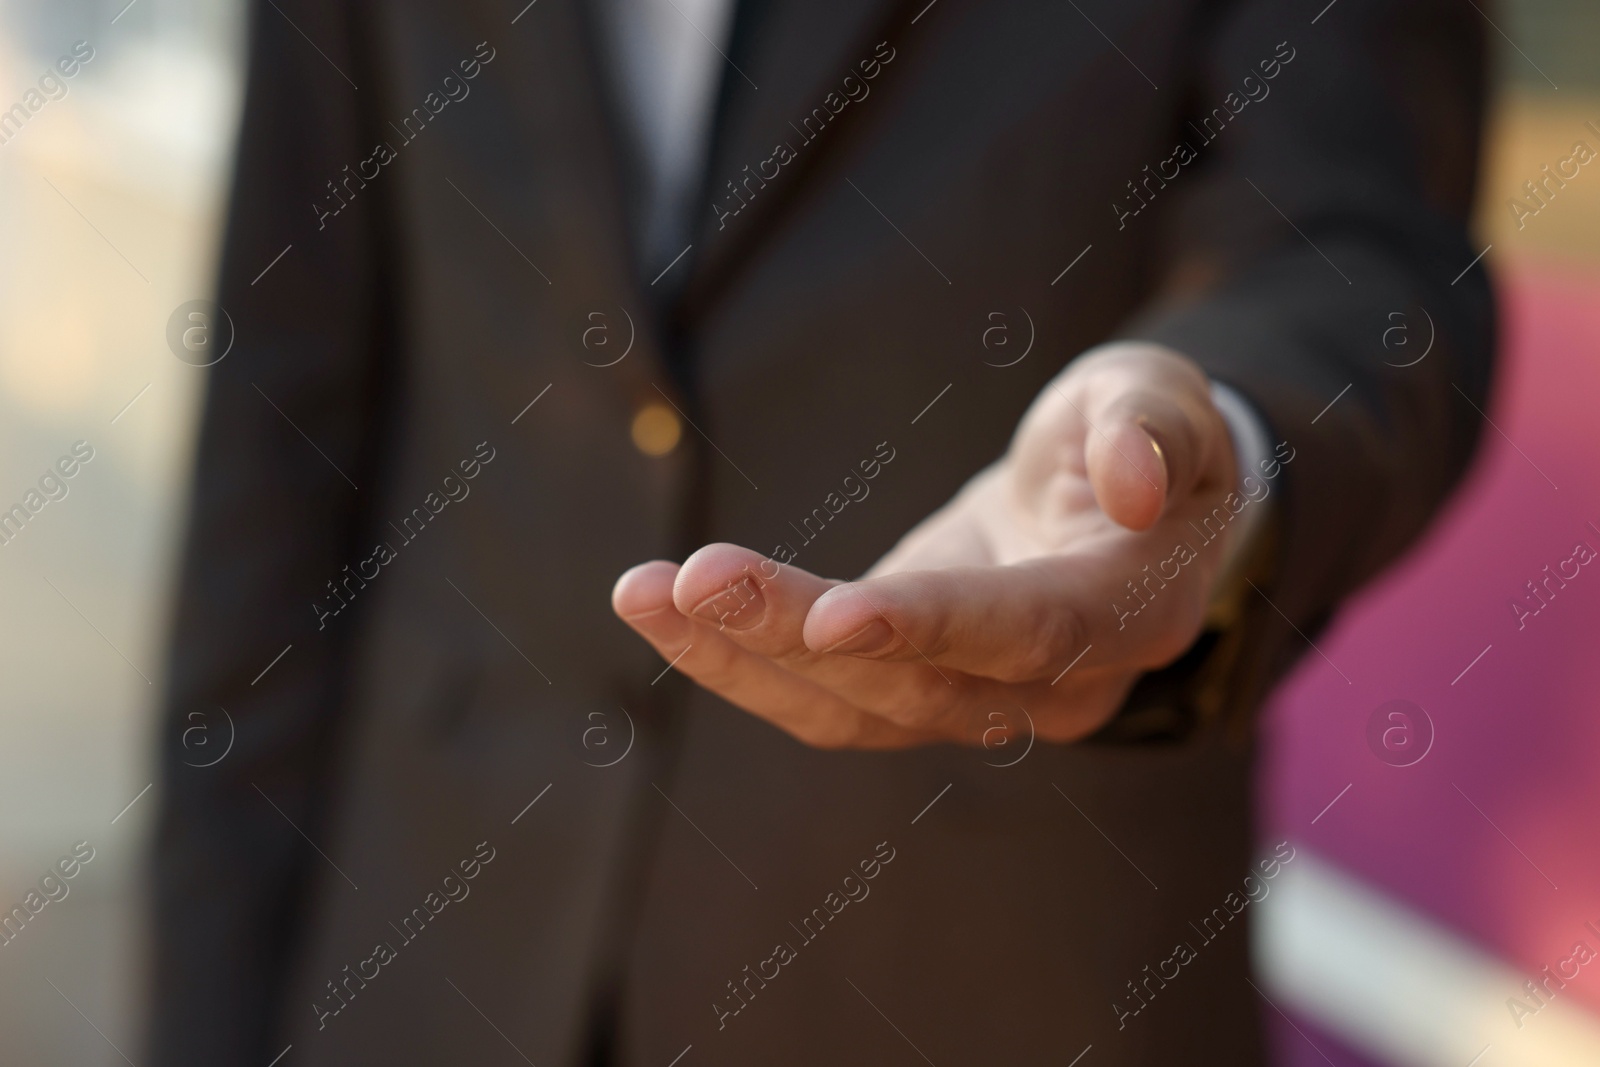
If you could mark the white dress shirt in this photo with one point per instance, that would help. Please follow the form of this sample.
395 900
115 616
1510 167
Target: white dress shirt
667 64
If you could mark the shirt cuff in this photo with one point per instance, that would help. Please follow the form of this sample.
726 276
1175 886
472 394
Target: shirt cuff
1251 449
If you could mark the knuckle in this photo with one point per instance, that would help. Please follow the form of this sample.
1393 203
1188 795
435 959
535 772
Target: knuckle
835 734
1032 657
1058 633
714 665
904 713
914 703
707 665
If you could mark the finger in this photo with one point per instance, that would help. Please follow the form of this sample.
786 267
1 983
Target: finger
818 716
644 590
642 598
736 590
1018 623
762 607
1146 448
1128 472
1152 434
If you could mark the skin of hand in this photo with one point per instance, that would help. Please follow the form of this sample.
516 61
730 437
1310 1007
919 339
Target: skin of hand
984 605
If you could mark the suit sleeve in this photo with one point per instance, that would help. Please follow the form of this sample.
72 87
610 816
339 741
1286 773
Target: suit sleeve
1337 196
288 435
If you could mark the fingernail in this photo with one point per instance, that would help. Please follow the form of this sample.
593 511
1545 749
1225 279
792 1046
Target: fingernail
738 607
870 638
1155 444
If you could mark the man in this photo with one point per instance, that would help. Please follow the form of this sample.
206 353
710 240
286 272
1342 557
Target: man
989 803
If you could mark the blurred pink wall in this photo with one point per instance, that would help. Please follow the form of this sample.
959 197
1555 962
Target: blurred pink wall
1517 733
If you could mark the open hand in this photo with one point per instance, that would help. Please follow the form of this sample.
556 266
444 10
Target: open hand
1014 595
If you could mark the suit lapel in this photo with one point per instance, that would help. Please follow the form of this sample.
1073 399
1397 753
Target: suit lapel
784 59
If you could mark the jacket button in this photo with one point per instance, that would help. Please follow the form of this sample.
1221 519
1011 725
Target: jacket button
656 429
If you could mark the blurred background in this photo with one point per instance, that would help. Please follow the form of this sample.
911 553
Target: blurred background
1443 857
109 206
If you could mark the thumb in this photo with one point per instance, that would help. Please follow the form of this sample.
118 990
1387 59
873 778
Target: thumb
1153 435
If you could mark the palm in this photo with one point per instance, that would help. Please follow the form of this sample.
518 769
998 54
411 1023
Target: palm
994 598
998 520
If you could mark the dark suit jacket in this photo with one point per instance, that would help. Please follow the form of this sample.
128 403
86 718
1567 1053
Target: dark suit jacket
458 217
